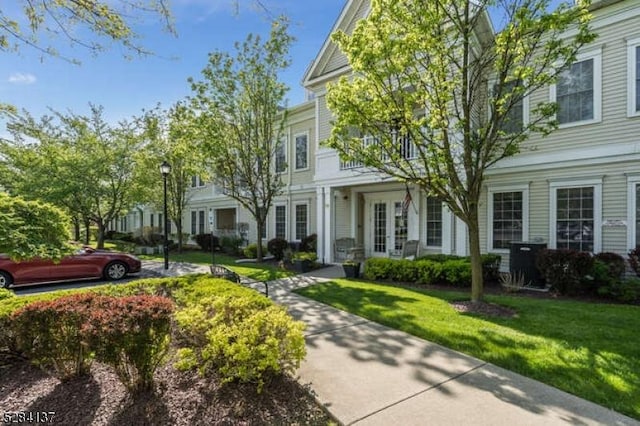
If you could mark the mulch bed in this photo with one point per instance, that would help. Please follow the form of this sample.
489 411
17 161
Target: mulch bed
179 399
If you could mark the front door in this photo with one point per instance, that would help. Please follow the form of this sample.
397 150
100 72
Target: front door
388 227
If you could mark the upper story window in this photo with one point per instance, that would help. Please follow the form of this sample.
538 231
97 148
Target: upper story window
633 73
281 156
302 151
578 91
518 115
197 182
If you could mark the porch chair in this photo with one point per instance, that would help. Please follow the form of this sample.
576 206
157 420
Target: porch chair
409 250
341 248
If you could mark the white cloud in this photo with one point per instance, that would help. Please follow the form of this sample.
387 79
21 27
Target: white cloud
20 78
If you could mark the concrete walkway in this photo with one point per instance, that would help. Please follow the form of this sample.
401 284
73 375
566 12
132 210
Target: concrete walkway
368 374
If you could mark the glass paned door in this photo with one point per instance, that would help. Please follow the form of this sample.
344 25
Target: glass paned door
380 228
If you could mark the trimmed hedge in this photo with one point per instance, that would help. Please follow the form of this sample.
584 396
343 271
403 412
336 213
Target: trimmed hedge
204 241
566 270
430 269
277 246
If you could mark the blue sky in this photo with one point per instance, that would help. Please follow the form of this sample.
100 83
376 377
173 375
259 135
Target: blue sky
125 87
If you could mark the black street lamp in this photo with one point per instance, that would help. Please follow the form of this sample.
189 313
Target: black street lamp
165 169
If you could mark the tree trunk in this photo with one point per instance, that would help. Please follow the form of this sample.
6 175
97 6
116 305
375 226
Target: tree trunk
477 283
101 228
76 229
259 228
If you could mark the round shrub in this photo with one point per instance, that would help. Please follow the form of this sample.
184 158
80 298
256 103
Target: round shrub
251 251
309 243
277 246
615 263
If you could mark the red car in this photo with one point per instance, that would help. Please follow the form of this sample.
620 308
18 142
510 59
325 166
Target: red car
86 263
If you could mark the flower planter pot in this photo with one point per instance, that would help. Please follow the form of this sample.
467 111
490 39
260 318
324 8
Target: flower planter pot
302 265
351 270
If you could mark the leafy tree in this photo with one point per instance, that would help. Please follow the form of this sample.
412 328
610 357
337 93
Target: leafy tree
79 163
32 229
422 72
107 21
239 107
172 136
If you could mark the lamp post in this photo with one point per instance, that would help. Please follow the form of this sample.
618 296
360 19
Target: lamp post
213 258
165 169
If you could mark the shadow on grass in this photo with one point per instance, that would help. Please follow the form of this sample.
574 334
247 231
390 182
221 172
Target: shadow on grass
588 350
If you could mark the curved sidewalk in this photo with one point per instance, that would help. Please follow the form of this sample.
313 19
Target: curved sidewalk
368 374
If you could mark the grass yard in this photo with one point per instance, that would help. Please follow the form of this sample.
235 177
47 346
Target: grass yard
256 271
589 350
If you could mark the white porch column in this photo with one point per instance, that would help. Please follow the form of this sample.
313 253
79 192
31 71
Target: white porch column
462 236
448 220
413 215
324 199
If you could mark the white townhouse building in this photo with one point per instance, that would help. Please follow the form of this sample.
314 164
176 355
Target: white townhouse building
577 188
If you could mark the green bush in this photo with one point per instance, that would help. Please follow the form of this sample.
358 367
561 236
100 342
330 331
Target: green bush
52 334
429 272
132 334
277 246
6 293
457 272
251 251
614 262
231 245
309 243
404 270
491 266
626 290
377 268
566 270
239 338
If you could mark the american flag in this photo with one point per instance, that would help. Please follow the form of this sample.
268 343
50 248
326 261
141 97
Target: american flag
407 202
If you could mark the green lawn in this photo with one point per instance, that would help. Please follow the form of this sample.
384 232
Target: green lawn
589 350
256 271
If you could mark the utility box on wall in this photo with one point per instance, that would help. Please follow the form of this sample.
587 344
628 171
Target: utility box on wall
522 261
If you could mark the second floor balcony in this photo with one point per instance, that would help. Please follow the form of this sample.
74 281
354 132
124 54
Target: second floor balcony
402 145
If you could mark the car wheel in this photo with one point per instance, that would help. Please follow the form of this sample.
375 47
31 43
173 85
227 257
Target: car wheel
115 271
5 280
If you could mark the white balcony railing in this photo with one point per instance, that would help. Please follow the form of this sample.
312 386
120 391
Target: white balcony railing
407 149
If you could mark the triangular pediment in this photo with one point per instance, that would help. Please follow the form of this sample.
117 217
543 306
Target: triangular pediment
330 59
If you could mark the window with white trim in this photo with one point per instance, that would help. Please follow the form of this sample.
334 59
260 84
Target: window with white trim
302 151
506 216
197 182
281 222
633 73
193 222
302 218
434 222
576 216
518 115
578 91
633 212
201 222
281 156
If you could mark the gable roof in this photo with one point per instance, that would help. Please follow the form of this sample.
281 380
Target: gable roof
330 60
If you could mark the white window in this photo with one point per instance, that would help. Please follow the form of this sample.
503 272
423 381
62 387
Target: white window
633 73
197 182
633 212
281 156
518 115
508 216
434 222
193 222
302 151
578 91
576 215
281 222
302 218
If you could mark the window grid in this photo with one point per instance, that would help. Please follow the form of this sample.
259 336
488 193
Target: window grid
400 226
380 228
301 221
201 222
575 93
507 218
281 222
281 159
193 222
301 152
434 222
575 218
